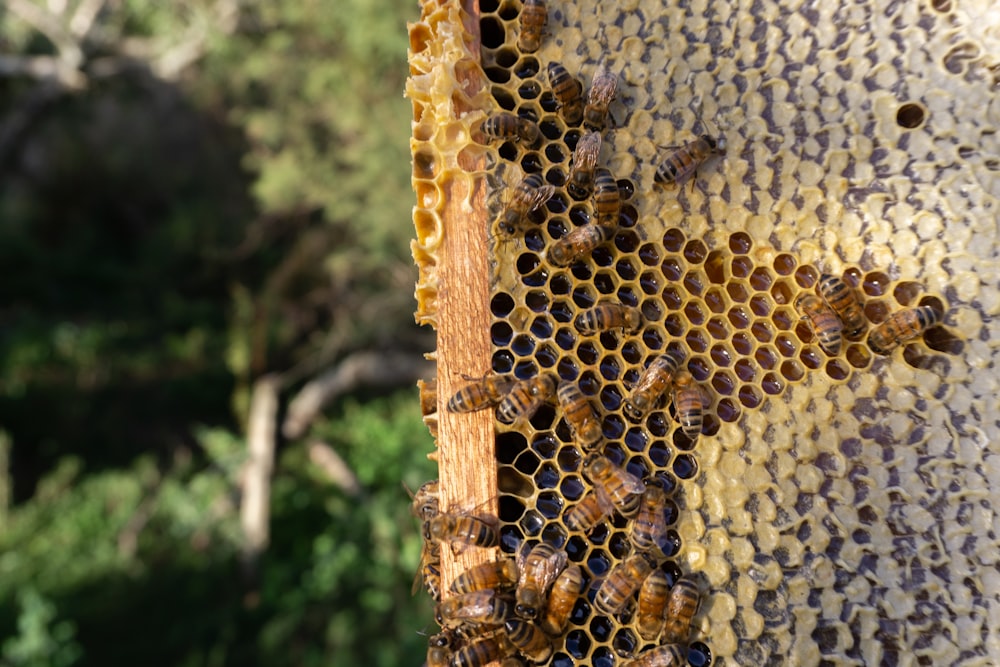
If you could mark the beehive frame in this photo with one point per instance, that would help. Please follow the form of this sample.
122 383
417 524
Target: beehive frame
840 511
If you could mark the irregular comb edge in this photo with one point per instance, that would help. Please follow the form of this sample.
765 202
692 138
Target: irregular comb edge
446 87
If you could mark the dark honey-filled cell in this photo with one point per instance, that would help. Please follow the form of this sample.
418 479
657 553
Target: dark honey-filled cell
673 240
577 644
509 509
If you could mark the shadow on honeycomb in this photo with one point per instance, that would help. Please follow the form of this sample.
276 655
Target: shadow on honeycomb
838 508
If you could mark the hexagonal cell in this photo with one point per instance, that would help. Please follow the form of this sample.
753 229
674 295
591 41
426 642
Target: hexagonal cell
700 368
876 311
694 283
695 251
782 292
649 283
605 283
649 255
772 384
811 358
784 264
786 345
685 466
718 328
728 410
740 243
671 268
673 240
806 276
628 216
875 284
784 317
715 299
737 291
837 370
906 292
741 267
721 355
610 367
694 313
760 279
696 340
501 333
792 371
750 397
766 356
723 382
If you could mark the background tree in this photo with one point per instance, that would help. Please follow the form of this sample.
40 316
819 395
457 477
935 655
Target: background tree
198 199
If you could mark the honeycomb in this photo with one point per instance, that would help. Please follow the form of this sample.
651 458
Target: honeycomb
838 510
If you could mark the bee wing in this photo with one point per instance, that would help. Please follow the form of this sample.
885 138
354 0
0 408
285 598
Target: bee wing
539 196
554 565
604 501
475 605
632 483
418 580
603 89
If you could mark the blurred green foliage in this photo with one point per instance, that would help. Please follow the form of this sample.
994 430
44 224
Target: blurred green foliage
165 243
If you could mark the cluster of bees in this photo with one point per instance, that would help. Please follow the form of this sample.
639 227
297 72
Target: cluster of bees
514 609
517 608
836 313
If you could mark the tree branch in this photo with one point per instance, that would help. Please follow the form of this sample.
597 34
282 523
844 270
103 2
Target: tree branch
51 26
378 369
326 458
255 507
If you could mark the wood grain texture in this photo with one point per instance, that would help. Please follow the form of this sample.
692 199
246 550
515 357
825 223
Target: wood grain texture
466 456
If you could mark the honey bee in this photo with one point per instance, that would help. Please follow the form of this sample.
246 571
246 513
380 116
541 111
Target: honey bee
529 194
505 125
902 326
480 393
682 605
565 592
525 397
689 404
593 508
498 575
538 568
425 501
481 608
651 384
844 301
568 93
581 172
664 655
482 651
580 415
621 486
650 523
825 324
437 655
440 646
429 570
529 639
602 91
686 158
532 20
580 241
462 528
652 603
608 315
621 583
607 198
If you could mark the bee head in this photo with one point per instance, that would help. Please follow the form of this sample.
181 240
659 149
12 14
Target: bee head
525 611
